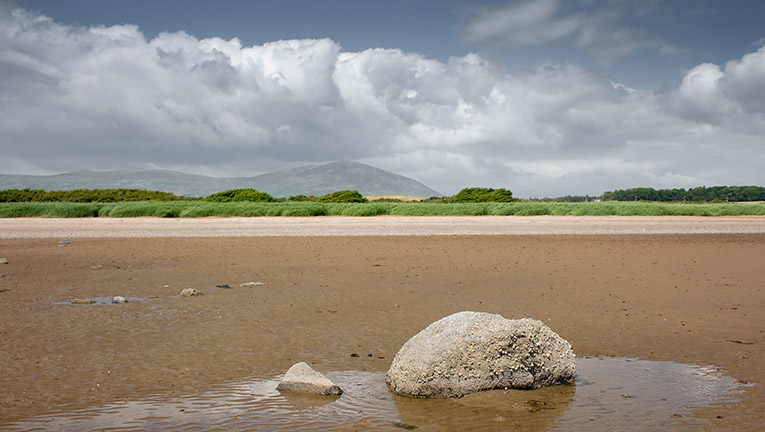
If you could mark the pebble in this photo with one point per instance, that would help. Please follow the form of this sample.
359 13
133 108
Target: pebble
63 242
3 260
119 299
224 286
190 292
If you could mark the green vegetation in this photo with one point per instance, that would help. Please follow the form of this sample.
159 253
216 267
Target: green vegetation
85 195
480 195
468 202
309 208
236 195
567 198
343 196
699 194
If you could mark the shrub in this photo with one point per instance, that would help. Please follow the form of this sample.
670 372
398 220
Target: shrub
85 195
343 196
234 195
469 195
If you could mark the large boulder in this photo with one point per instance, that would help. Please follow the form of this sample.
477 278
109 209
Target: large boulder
468 352
302 378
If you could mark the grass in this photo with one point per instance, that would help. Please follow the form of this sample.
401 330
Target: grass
192 209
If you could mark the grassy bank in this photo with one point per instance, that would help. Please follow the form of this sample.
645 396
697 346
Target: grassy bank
245 209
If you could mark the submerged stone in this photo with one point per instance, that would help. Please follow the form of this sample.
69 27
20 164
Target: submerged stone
302 378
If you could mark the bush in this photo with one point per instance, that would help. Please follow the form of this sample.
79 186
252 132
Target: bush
344 196
85 195
235 195
474 195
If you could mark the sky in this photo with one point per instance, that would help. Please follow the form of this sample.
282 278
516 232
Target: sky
545 98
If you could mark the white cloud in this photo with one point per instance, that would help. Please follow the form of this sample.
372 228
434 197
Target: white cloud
107 98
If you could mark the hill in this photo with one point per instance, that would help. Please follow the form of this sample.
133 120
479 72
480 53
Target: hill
305 180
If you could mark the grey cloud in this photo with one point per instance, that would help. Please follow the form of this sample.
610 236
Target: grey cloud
107 98
599 28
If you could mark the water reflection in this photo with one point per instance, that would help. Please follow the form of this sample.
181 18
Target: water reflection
609 394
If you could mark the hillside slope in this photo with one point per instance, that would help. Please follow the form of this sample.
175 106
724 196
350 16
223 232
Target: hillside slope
305 180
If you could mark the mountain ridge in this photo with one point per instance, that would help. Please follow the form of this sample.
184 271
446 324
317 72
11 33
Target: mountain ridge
304 180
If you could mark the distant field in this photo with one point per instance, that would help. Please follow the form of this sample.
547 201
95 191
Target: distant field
403 198
187 209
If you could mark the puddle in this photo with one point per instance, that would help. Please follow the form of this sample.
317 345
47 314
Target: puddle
95 300
609 394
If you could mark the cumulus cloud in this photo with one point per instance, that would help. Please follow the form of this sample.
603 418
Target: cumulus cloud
108 98
600 28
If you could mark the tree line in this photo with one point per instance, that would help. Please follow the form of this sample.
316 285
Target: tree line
86 195
231 195
466 195
697 194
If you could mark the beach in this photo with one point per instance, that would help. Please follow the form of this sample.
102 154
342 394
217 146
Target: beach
686 290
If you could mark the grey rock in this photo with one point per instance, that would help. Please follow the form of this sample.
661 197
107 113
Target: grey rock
119 300
468 352
190 292
3 260
302 378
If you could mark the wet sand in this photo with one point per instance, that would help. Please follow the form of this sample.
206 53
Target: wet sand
680 295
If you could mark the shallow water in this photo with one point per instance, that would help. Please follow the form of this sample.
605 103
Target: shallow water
95 300
608 394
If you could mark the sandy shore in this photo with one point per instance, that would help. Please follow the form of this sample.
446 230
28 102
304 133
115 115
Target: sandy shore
378 225
688 290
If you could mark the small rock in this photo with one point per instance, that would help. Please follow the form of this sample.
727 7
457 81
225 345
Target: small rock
119 300
251 284
190 292
354 355
63 242
98 267
3 260
302 378
224 286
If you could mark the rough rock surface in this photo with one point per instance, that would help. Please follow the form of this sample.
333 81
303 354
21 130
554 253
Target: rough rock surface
469 352
302 378
190 292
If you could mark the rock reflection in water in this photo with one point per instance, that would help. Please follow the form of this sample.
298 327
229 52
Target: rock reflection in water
609 394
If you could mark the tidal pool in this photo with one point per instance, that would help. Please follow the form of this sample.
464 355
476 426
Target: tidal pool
608 394
95 300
